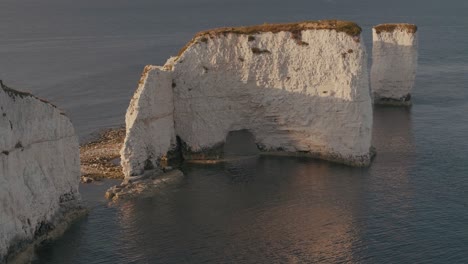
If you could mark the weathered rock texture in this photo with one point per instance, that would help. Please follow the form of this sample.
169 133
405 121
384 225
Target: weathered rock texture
150 123
298 88
394 62
39 170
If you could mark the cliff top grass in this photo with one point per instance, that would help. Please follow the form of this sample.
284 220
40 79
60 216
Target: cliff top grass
13 93
350 28
391 27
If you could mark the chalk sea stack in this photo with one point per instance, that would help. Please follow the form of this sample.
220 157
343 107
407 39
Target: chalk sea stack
394 63
299 88
39 171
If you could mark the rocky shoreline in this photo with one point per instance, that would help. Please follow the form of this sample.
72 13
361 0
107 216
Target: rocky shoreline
100 157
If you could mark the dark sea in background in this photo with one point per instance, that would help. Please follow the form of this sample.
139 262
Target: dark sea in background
410 206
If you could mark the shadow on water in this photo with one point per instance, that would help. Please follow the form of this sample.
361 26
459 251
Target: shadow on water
392 135
242 152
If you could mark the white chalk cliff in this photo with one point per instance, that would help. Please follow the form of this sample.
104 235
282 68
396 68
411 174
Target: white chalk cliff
39 170
150 122
394 63
299 88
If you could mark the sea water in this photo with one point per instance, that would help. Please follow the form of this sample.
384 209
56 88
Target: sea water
410 206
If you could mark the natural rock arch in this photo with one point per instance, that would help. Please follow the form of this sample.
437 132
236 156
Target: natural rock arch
300 88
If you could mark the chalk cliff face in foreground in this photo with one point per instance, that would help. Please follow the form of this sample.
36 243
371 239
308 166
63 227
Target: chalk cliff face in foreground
394 62
39 170
299 88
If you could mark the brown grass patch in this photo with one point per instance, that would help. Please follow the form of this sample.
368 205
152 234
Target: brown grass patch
410 28
350 28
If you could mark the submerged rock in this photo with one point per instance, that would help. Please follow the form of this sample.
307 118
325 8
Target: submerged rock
299 88
39 172
394 62
150 183
85 179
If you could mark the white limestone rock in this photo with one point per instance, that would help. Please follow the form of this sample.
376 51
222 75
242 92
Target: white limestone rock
299 88
394 63
149 122
39 170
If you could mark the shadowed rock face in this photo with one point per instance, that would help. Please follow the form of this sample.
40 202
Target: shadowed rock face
299 92
39 170
240 143
394 63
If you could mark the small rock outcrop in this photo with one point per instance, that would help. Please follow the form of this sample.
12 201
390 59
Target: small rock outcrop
39 171
394 62
299 88
145 185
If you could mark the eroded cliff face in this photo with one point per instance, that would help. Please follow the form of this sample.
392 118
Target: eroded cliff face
394 63
149 122
298 88
39 170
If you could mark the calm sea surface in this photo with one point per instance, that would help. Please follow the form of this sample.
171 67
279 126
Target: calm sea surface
410 206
